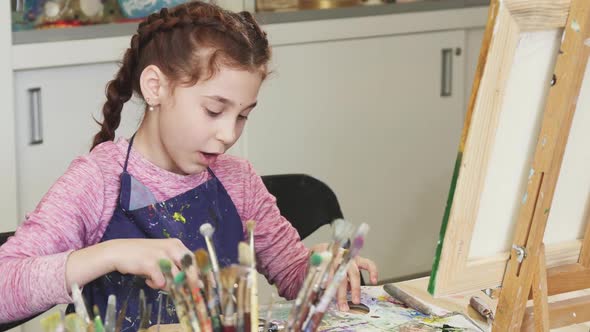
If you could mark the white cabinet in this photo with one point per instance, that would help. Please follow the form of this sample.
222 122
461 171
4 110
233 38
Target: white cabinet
7 161
66 99
367 117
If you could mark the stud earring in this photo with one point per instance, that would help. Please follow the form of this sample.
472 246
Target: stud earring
150 106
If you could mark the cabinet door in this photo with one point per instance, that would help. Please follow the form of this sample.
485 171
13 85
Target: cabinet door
54 123
367 117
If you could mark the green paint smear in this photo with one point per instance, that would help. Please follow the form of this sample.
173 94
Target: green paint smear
179 217
166 234
443 228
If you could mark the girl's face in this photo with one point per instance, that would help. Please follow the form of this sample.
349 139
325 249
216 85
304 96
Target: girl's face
198 123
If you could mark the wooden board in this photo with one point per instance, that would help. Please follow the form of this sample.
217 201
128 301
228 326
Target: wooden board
500 135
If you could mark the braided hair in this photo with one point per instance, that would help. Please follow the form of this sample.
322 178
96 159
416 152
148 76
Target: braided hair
188 43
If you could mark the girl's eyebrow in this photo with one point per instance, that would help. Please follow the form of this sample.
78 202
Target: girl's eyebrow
230 102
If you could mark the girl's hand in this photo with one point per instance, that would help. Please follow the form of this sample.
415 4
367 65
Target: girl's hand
353 280
128 256
142 256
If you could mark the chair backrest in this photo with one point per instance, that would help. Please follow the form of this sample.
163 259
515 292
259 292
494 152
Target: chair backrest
305 201
4 237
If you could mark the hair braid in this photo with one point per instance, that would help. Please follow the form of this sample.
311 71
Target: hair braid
118 92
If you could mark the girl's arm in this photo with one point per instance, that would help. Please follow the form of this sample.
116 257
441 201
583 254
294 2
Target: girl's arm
33 262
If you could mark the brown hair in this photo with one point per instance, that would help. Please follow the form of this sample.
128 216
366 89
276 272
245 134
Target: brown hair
188 43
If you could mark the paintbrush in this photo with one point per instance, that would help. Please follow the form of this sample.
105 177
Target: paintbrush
159 319
316 315
79 304
409 300
313 289
193 292
211 298
98 326
190 272
269 313
207 231
181 312
244 314
121 316
145 311
52 322
204 268
342 230
74 323
241 319
110 316
315 260
482 308
250 225
228 277
187 299
420 306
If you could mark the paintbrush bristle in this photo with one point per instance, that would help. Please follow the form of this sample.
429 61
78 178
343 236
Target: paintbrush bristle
362 230
228 277
206 230
315 259
96 311
165 265
342 231
186 261
326 256
202 258
244 256
359 239
250 225
179 277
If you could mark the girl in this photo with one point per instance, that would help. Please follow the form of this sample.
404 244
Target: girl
128 203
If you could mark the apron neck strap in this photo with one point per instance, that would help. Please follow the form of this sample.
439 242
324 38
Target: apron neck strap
128 153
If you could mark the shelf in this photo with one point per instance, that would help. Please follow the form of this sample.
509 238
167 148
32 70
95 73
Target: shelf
126 29
78 33
107 42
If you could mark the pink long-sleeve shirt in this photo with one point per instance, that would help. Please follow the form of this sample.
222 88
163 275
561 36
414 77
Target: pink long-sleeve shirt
78 207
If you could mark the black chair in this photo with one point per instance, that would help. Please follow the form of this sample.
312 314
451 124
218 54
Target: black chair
4 237
306 202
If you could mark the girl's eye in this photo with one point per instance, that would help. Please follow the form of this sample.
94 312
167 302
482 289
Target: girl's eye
212 114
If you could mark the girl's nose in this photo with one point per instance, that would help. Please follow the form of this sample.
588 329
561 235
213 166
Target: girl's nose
226 132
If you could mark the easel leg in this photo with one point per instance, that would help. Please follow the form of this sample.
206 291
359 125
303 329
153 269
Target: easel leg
540 303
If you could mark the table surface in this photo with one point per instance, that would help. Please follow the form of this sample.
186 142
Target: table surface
387 314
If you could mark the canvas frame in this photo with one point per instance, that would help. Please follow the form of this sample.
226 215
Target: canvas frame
453 270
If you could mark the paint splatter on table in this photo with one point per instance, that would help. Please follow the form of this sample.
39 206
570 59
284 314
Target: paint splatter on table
385 314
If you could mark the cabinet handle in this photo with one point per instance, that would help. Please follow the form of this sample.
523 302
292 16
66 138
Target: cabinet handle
446 87
35 109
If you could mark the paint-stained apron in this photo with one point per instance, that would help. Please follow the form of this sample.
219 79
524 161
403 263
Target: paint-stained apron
139 215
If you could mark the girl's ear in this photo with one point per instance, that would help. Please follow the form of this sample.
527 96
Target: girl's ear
153 85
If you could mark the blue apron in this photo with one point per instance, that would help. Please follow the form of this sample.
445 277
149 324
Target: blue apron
139 215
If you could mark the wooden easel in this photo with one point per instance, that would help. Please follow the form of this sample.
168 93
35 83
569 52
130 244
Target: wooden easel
526 272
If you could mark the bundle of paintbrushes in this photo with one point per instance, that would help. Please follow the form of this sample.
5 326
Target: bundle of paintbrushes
213 299
327 271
